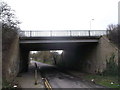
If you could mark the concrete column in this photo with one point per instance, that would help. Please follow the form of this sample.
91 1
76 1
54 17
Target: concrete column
24 60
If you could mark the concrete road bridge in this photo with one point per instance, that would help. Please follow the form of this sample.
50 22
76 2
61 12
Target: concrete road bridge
86 50
59 39
81 47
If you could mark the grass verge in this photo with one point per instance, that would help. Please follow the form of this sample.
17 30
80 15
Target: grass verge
104 80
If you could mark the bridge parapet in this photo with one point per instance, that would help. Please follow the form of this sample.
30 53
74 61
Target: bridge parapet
62 33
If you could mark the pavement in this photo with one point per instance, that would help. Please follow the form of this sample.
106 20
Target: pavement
27 80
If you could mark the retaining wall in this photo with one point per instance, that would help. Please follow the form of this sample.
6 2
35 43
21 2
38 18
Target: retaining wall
11 58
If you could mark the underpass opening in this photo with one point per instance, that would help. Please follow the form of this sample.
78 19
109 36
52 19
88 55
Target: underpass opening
74 49
76 58
52 57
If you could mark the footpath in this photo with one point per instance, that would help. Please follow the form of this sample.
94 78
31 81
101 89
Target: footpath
27 80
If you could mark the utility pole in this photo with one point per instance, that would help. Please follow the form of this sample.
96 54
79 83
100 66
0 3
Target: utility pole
90 23
119 12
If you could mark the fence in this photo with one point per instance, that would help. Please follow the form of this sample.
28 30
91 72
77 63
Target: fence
58 33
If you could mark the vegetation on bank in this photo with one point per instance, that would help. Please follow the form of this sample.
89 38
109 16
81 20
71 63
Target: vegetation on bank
13 85
111 67
7 85
107 81
10 25
109 77
114 34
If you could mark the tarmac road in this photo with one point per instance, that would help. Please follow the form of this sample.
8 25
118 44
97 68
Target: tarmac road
58 79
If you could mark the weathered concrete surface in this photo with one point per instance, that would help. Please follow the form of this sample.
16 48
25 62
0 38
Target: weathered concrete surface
11 59
90 58
98 54
96 59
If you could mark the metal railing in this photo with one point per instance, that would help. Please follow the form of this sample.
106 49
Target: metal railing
67 33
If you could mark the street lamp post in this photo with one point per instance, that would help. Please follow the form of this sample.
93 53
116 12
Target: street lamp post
90 23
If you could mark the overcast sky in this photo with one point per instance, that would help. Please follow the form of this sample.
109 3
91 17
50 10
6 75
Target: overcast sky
65 14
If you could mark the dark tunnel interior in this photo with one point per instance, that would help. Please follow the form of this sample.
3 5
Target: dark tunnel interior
74 55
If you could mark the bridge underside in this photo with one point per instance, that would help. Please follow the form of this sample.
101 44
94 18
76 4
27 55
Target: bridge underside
55 43
53 46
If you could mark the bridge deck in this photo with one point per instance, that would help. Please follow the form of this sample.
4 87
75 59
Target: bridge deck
59 39
37 40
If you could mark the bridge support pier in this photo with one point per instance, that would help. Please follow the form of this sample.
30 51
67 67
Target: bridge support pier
24 60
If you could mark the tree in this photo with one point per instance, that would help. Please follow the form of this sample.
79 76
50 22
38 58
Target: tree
55 57
8 18
114 33
45 55
41 55
10 24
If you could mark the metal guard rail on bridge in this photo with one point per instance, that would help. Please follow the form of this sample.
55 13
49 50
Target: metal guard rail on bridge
67 33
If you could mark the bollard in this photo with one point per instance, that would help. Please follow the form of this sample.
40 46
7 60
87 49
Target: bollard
36 65
35 74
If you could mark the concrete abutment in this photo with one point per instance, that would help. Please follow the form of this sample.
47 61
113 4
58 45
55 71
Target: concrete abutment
90 58
10 58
